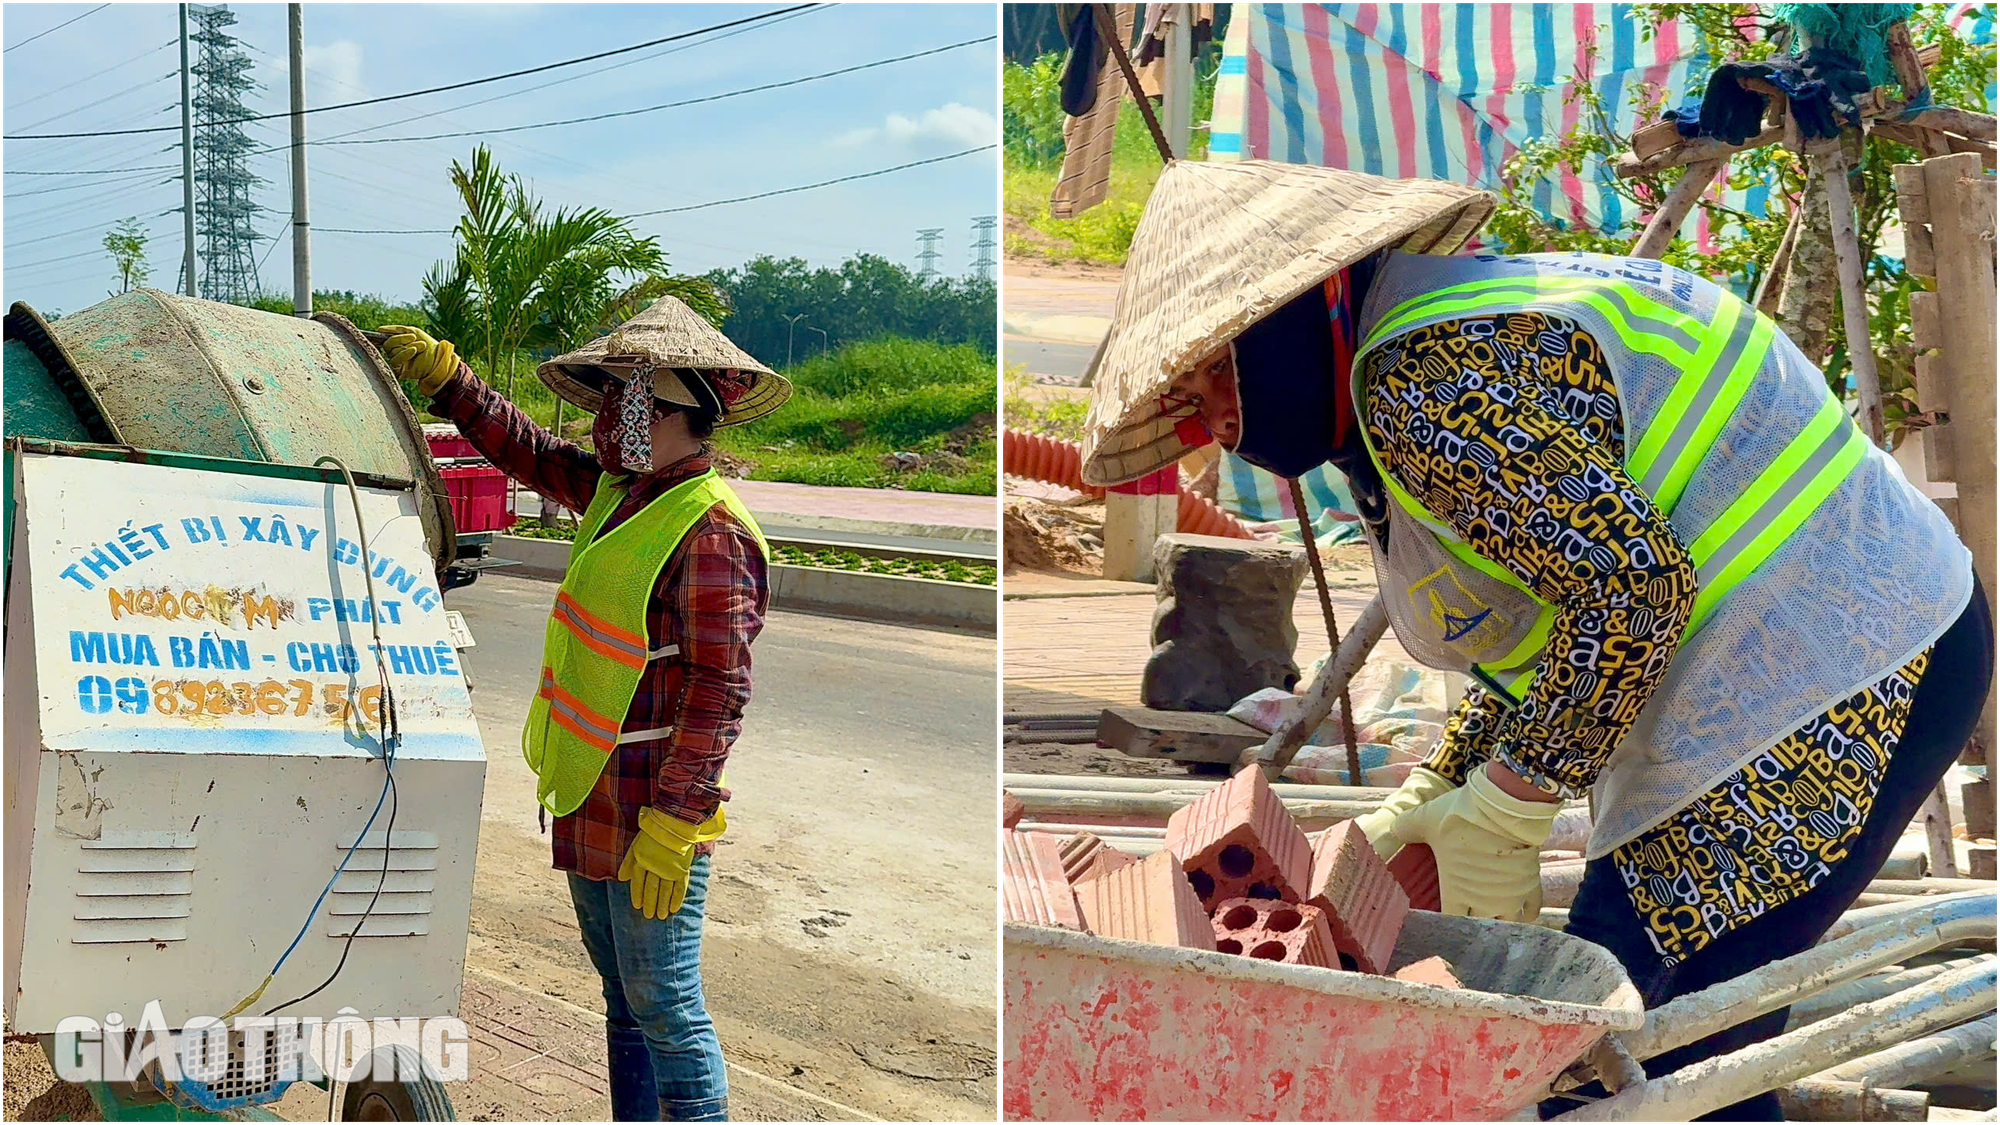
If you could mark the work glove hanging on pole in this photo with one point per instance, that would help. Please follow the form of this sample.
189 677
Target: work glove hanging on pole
1421 787
1488 846
661 855
413 354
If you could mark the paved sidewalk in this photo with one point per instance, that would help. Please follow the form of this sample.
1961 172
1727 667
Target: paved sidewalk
1087 652
877 511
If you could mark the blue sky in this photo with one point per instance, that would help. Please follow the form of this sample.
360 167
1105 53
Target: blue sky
821 130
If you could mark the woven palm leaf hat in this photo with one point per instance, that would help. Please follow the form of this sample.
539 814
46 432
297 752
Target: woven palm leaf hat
669 335
1218 248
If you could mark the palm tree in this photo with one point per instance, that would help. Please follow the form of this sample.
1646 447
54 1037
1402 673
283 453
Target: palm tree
526 276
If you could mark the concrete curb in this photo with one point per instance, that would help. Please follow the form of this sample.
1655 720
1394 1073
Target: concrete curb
808 589
1056 328
842 524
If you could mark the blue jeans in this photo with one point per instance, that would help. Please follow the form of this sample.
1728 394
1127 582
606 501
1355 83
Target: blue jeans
666 1062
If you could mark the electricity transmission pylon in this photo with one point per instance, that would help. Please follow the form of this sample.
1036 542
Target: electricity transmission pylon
927 251
225 212
982 246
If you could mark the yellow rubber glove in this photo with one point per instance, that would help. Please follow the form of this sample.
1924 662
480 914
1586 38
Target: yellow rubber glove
1421 787
1488 847
412 354
657 863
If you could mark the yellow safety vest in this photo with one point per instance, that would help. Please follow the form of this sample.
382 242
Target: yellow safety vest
595 648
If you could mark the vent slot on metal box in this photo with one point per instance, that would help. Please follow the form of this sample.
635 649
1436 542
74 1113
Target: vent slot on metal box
404 907
133 887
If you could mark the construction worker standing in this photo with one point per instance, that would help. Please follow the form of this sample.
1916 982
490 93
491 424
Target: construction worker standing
1621 501
646 664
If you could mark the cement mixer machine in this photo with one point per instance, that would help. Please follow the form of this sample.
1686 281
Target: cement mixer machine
243 777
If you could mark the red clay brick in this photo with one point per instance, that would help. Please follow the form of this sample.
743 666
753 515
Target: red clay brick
1415 867
1011 809
1364 904
1275 931
1032 886
1150 900
1430 970
1237 841
1085 857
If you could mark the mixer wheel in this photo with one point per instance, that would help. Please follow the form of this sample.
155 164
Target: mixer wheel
398 1088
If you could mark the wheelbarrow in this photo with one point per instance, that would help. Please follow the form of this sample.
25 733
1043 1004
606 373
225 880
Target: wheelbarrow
1103 1029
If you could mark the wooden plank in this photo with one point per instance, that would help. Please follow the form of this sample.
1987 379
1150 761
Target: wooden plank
1655 138
1689 151
1978 799
1916 218
1936 817
1947 119
1185 736
1982 862
1960 196
1932 396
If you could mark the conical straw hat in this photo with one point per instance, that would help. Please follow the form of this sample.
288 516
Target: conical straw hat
668 334
1219 247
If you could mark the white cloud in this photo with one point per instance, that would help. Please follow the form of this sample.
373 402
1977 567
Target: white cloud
333 72
948 126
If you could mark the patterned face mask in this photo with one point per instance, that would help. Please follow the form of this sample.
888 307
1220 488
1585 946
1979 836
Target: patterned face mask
628 407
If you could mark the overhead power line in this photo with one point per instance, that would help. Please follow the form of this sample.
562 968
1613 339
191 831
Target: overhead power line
56 28
663 105
15 106
575 120
722 202
434 89
809 187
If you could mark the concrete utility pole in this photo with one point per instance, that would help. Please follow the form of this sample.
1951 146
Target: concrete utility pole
302 293
187 157
1178 104
822 338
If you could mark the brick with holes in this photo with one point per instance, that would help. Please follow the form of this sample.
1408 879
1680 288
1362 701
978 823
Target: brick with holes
1430 970
1085 857
1032 886
1270 930
1415 868
1011 809
1238 841
1150 900
1364 904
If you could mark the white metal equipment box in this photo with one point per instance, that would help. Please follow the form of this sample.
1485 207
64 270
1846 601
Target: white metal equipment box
193 742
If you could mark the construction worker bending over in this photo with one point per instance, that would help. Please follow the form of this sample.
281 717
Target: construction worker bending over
646 664
1621 501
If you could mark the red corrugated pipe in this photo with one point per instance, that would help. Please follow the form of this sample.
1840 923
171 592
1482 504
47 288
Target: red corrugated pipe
1051 461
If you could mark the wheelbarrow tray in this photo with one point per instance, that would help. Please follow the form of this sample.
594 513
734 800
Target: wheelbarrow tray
1107 1029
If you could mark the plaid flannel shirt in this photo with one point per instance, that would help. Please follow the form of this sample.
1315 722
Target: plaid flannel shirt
711 599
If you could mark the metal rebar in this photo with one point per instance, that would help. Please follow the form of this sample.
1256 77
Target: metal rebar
1311 545
1107 26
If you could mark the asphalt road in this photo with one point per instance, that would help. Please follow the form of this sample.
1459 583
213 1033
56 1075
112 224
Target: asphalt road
850 952
1049 361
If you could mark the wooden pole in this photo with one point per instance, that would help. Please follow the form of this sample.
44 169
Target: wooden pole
1278 751
1853 292
1772 284
1666 221
1332 628
1960 199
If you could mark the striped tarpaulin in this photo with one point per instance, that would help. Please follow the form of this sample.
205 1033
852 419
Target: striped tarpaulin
1451 92
1255 496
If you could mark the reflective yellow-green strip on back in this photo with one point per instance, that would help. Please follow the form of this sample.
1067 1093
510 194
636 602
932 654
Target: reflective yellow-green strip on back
1642 324
1701 404
1775 506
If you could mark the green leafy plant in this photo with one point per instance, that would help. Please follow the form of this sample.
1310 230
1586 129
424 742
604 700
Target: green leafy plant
1746 244
126 243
